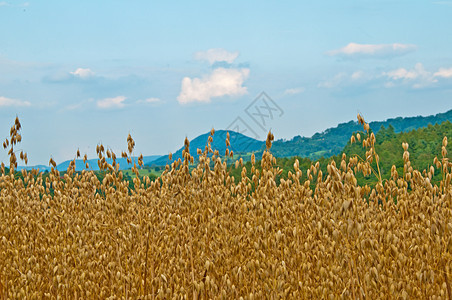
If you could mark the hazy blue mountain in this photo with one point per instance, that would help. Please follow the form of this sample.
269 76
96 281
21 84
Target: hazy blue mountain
123 165
327 143
80 165
239 144
40 167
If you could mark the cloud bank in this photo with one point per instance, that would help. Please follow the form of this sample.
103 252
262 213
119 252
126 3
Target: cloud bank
7 102
216 55
152 100
354 50
444 73
418 77
294 91
116 102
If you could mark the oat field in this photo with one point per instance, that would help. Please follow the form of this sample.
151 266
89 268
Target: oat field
197 233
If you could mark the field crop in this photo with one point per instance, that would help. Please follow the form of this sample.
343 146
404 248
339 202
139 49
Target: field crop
195 232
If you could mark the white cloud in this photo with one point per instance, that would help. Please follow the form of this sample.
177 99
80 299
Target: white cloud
74 106
149 100
116 102
357 75
448 3
389 84
5 102
294 91
443 72
152 100
221 82
78 105
4 3
357 78
83 73
402 73
354 50
217 55
336 80
418 76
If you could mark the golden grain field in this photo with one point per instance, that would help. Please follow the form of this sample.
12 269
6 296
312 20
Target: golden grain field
197 233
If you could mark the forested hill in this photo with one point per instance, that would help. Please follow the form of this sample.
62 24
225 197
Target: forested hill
424 145
333 140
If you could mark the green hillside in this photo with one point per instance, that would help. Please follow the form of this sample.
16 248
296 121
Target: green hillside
424 145
333 140
325 144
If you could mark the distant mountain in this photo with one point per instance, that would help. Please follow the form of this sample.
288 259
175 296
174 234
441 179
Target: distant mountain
239 144
79 165
325 144
333 140
41 168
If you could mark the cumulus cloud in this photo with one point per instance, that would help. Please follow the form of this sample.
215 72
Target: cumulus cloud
354 79
74 106
150 100
83 73
336 80
418 76
116 102
415 77
357 75
79 105
354 50
80 75
403 73
217 55
444 73
294 91
221 82
6 102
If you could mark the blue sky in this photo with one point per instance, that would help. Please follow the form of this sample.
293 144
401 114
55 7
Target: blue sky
83 72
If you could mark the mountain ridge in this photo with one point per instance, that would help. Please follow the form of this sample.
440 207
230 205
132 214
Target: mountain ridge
80 165
327 143
240 143
321 144
332 140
